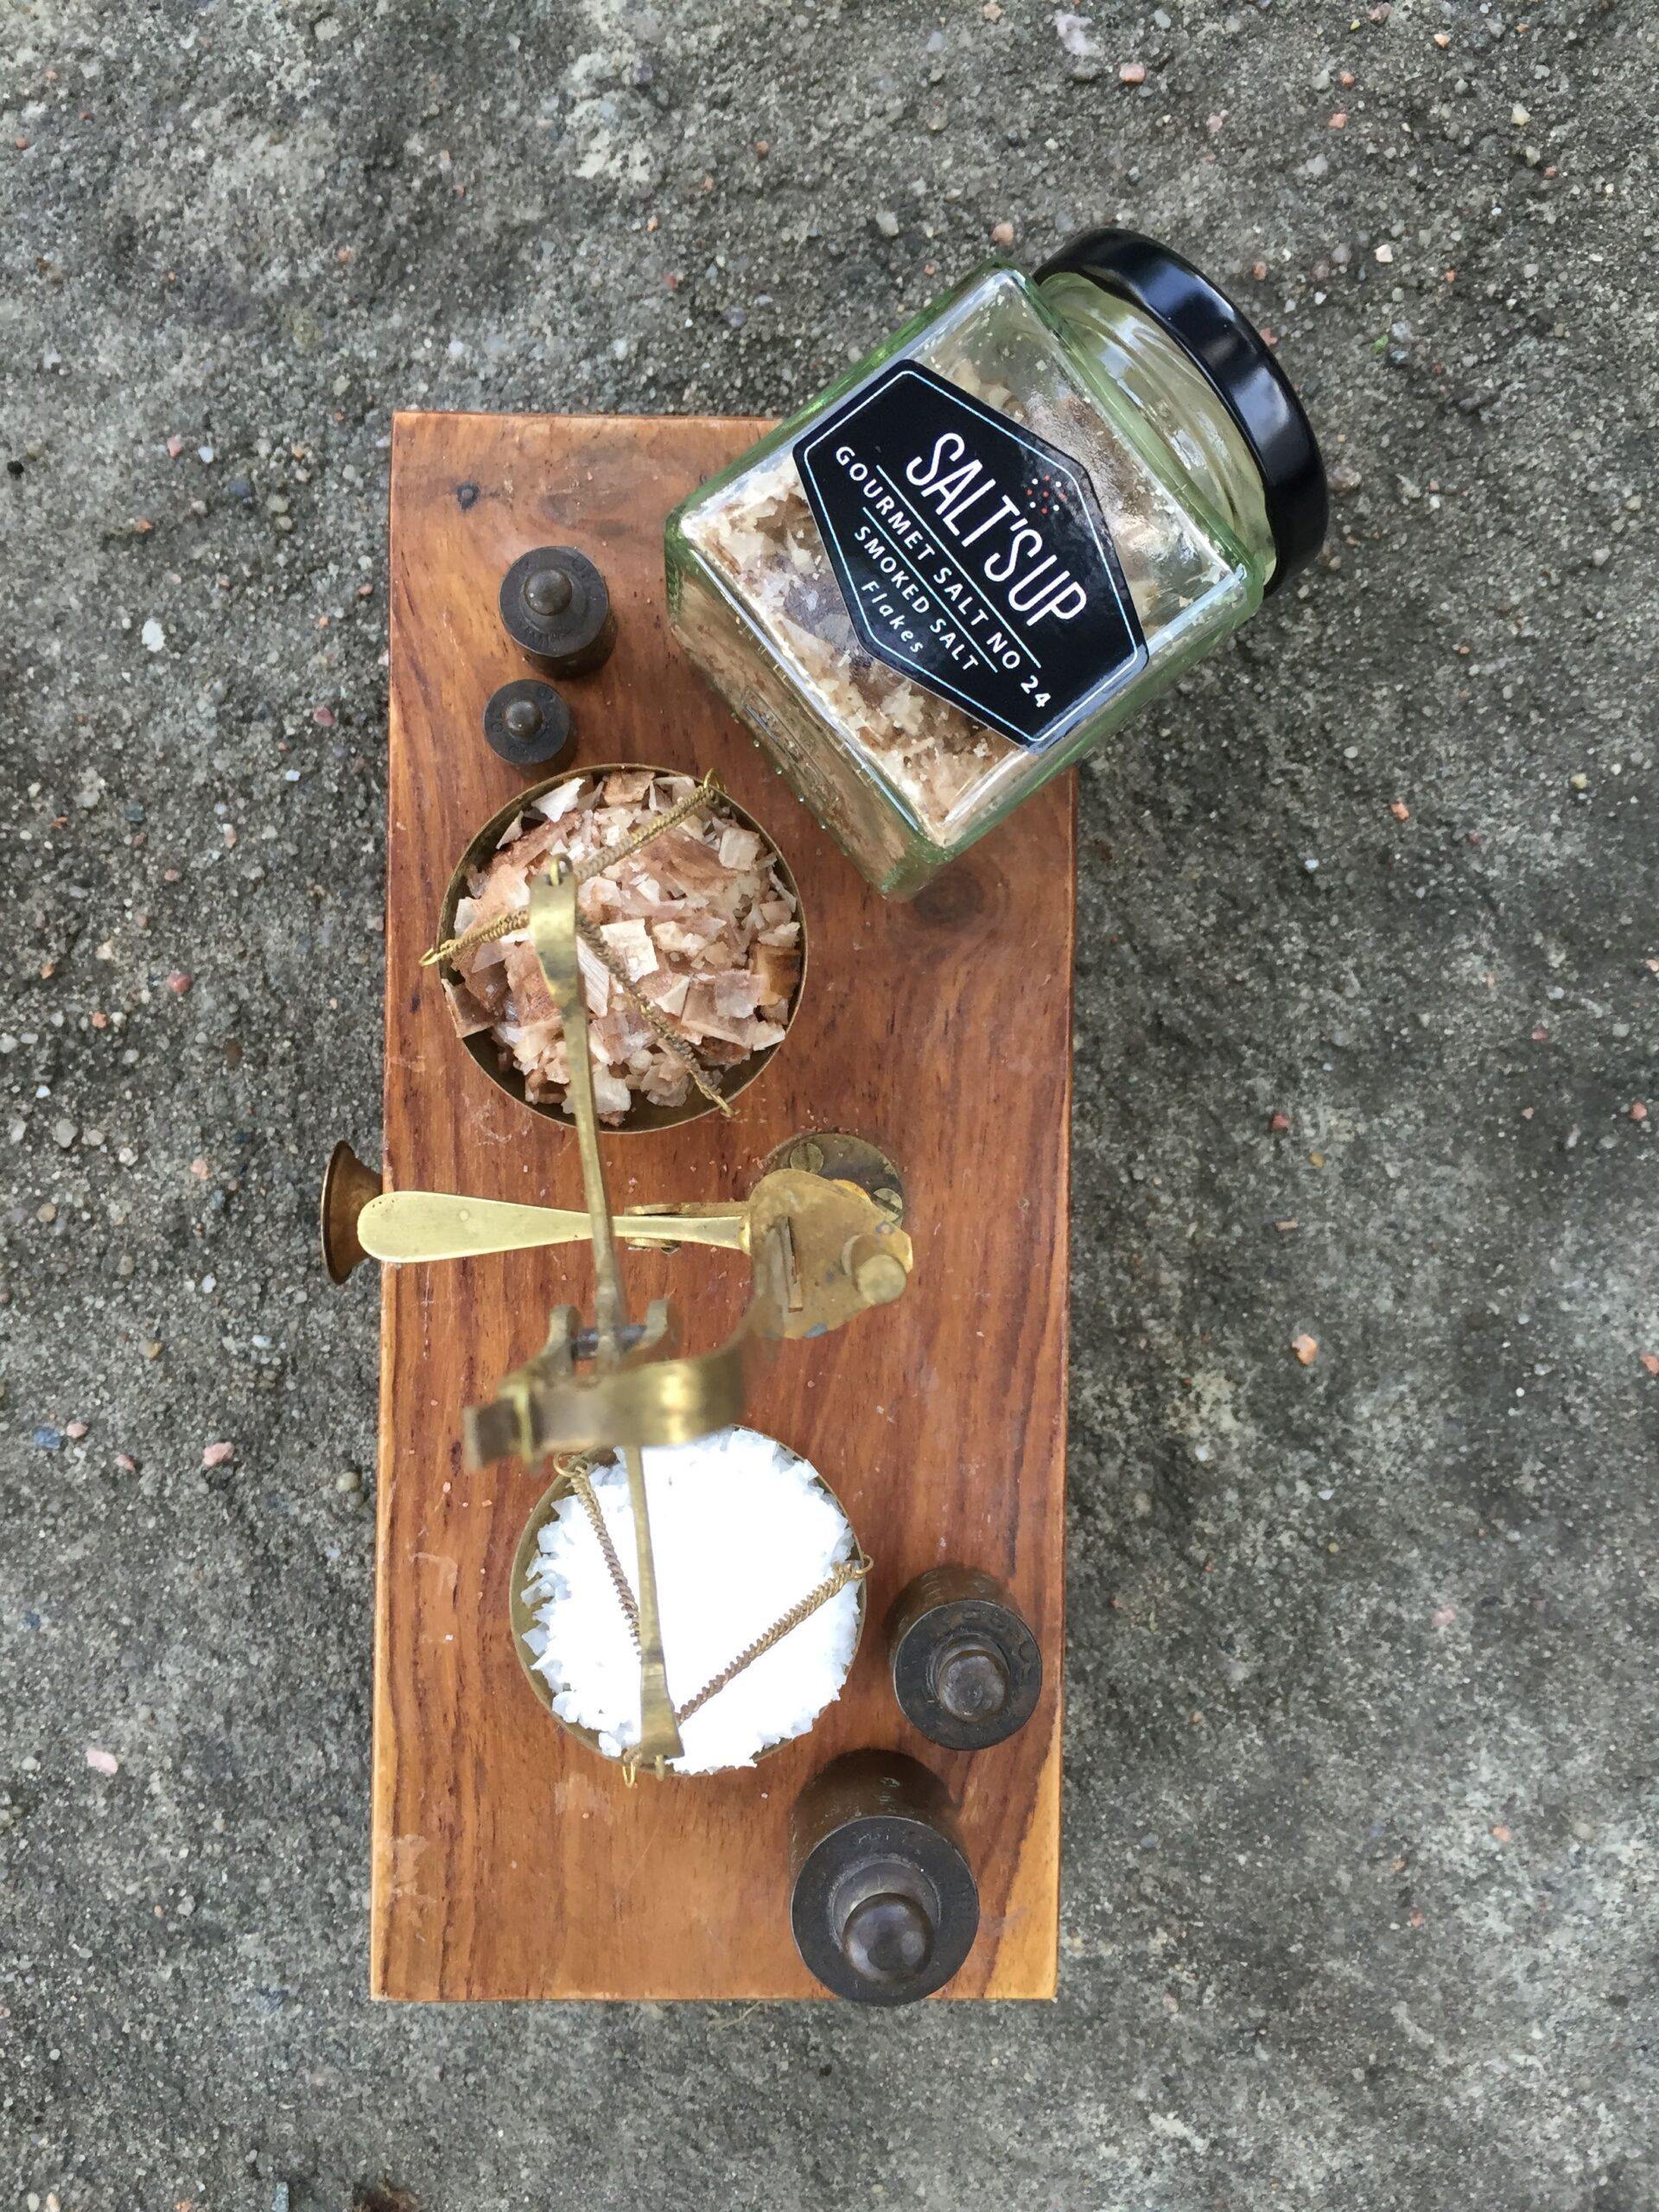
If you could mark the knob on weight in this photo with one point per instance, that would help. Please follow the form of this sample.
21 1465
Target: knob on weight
885 1907
555 605
966 1669
888 1937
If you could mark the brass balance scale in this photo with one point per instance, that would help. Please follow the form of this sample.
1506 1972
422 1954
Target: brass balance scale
821 1250
884 1905
510 1860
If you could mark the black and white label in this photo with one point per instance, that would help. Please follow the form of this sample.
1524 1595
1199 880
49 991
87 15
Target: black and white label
973 556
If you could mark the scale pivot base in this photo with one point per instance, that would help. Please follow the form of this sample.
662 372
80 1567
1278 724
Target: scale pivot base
845 1158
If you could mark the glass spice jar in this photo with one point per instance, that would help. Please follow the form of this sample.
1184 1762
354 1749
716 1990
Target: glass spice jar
993 540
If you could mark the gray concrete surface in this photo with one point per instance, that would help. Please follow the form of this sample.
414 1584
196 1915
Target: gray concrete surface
1359 1900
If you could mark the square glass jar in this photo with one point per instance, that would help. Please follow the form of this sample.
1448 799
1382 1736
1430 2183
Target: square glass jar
993 540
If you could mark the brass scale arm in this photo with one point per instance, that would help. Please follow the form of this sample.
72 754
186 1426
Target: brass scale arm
553 915
821 1250
401 1226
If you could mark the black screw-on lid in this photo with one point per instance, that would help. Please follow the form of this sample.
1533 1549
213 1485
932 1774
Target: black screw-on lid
1234 359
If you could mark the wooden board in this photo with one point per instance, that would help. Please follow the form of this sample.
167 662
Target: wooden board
508 1861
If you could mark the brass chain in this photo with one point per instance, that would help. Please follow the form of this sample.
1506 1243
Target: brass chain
654 1019
590 1505
518 917
850 1571
709 788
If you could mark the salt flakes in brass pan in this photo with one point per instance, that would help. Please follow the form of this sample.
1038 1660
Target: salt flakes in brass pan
691 941
739 1521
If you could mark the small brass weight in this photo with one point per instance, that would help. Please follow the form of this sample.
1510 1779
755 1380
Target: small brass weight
966 1668
821 1229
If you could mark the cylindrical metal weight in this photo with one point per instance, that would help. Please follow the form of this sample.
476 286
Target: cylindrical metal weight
555 605
527 723
967 1670
885 1907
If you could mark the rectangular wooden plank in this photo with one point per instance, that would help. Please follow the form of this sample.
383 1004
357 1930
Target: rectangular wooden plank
508 1862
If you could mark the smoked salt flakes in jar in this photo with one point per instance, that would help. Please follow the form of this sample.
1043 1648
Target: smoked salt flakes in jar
994 540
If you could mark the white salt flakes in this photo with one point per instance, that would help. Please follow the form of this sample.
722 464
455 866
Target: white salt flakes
552 803
630 943
739 848
741 1531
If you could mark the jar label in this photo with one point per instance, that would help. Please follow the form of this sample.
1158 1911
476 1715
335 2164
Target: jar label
973 556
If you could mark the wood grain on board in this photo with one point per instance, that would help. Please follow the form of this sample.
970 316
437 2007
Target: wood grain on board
508 1861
